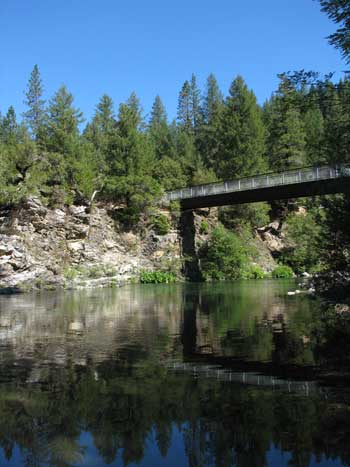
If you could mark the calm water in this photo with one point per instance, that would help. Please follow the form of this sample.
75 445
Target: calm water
198 375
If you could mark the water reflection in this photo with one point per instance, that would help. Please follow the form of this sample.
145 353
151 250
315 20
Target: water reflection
224 374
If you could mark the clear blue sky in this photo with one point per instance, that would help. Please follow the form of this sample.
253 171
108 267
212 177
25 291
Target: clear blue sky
152 46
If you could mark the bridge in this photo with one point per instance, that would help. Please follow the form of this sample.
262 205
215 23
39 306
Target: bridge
296 183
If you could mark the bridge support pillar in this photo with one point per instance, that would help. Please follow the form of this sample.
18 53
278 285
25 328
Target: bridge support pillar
188 246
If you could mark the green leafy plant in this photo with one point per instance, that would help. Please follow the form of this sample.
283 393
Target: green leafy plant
160 224
282 272
204 227
224 256
157 277
253 271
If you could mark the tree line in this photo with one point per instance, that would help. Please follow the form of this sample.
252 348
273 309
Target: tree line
131 160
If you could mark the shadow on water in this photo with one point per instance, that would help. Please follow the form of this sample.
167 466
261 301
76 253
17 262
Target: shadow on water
196 374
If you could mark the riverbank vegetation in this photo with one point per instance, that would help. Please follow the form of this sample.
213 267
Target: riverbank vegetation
123 157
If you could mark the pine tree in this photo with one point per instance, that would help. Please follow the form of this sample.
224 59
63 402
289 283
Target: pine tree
10 129
131 162
134 106
195 110
213 100
102 125
63 121
35 115
208 140
314 135
105 114
287 138
241 134
159 131
158 114
339 12
184 108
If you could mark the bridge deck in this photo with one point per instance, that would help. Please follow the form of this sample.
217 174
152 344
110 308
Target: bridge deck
309 181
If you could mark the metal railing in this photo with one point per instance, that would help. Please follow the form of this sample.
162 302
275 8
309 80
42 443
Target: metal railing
302 175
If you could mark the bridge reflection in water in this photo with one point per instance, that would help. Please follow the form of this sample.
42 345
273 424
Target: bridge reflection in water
307 181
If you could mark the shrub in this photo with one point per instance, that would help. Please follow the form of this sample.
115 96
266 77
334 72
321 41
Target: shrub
71 273
157 277
253 271
282 272
304 234
241 215
160 224
204 227
224 256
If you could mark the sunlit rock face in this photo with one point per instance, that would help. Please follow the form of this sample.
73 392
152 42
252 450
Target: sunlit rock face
76 247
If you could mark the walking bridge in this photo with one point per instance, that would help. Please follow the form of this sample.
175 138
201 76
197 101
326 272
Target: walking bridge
307 181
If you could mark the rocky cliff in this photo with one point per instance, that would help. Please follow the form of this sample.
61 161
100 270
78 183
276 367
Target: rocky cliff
75 247
79 246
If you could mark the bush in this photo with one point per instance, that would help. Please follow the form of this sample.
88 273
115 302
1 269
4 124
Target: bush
282 272
157 277
224 256
253 271
71 273
204 228
160 224
254 215
304 234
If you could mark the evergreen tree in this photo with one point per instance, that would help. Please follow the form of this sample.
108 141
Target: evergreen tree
287 138
164 146
213 100
9 127
208 140
339 12
195 110
314 136
62 126
242 135
35 115
135 109
102 126
184 108
158 114
131 162
105 114
337 124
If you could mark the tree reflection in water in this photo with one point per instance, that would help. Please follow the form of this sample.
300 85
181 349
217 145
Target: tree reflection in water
89 371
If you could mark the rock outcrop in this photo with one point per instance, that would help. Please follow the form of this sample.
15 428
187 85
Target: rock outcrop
74 246
79 246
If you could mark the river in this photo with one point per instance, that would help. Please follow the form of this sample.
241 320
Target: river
229 374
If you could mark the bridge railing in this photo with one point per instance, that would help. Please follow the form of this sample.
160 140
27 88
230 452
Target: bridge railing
303 175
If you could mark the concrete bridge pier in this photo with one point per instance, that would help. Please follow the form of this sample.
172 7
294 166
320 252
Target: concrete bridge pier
188 245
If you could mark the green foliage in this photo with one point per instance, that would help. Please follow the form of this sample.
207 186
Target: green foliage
204 227
304 231
169 173
253 271
157 277
339 12
282 272
160 224
287 137
241 148
63 121
35 115
253 215
224 256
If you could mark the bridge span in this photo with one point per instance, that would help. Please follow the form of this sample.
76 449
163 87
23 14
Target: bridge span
306 181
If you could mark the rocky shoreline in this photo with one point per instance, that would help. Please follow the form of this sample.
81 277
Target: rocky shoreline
74 247
83 247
